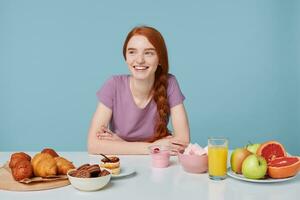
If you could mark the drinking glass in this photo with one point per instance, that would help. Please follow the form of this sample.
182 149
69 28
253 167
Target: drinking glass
217 157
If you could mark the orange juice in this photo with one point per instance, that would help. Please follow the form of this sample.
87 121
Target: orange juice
217 161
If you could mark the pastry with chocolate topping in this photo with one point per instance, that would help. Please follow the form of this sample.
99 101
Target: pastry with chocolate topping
112 163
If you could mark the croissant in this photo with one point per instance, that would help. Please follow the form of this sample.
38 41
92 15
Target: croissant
52 152
15 157
22 169
63 165
44 165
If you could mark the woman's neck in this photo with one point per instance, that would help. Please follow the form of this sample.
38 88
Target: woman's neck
141 89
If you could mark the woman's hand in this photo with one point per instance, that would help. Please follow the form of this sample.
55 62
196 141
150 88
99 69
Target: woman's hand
174 144
105 134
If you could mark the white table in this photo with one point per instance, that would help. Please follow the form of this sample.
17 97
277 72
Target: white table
169 183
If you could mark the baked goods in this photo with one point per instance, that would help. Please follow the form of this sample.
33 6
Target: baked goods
20 166
63 165
15 157
50 151
94 170
88 171
22 169
112 163
44 165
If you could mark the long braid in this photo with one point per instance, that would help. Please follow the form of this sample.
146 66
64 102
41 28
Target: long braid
163 109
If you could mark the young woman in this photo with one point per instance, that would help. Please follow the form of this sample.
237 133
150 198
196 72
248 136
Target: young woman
133 110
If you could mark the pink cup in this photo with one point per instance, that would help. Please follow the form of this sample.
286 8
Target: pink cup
160 156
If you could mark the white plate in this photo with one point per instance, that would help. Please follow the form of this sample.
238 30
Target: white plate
125 171
267 180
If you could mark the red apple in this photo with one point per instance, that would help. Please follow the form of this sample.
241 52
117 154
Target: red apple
237 158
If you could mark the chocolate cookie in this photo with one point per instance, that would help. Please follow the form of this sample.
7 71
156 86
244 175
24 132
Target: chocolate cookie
94 170
83 173
84 166
104 173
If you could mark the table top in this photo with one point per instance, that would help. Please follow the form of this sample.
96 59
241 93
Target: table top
154 183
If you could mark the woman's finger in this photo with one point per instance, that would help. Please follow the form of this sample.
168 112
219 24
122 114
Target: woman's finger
106 134
178 142
177 147
105 138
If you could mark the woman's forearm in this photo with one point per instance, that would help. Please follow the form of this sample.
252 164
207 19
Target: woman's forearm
117 147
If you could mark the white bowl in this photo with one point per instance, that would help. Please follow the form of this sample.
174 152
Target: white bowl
88 184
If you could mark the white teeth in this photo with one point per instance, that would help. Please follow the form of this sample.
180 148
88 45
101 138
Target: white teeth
140 67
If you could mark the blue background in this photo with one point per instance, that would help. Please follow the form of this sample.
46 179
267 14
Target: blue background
237 63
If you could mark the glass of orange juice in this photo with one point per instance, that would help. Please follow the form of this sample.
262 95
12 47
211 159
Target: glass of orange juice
217 157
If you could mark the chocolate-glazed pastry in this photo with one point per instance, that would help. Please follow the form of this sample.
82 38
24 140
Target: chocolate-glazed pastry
112 159
111 163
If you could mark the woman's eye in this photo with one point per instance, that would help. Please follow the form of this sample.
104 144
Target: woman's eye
130 52
149 53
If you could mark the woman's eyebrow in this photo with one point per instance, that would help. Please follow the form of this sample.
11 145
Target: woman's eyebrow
152 49
147 49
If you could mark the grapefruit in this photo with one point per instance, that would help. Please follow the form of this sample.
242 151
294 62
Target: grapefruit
283 167
271 150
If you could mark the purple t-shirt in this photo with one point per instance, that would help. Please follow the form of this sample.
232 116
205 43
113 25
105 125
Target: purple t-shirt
130 122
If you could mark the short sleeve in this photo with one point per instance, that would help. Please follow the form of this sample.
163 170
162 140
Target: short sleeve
106 93
175 95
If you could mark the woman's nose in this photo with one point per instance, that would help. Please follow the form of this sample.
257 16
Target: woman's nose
140 59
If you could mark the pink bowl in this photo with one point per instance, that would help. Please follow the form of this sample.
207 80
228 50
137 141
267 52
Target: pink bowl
193 163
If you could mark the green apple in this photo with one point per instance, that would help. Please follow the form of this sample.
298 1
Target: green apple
252 147
236 159
254 167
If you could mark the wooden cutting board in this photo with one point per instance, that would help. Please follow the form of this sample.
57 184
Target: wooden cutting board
7 182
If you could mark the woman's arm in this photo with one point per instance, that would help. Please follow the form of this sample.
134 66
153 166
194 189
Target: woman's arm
101 118
181 130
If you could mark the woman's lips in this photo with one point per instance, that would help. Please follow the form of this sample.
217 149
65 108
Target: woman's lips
136 67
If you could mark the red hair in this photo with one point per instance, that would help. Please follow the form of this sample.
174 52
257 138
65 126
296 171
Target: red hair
161 77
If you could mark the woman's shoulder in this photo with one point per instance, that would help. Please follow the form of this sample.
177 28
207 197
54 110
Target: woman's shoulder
172 79
118 79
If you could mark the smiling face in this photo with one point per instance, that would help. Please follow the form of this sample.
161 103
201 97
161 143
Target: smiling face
141 58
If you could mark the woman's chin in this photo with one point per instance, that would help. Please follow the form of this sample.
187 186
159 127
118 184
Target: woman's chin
141 75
